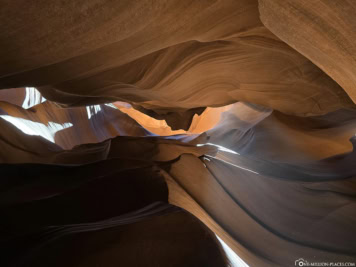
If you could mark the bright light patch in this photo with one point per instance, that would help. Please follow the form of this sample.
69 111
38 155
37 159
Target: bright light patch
92 110
33 97
221 148
34 128
111 105
235 260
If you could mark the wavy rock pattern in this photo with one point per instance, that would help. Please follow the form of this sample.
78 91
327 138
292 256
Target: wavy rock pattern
332 27
177 133
175 70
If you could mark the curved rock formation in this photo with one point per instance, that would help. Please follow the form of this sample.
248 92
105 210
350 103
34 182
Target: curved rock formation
323 31
122 60
177 133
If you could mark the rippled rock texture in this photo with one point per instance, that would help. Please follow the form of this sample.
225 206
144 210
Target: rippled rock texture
177 133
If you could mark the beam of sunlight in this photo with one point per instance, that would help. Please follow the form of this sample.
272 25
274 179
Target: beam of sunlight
237 166
234 259
221 148
35 128
33 97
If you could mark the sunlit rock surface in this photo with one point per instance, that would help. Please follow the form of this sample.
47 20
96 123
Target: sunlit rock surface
177 133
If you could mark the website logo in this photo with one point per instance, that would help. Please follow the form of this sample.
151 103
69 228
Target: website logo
301 262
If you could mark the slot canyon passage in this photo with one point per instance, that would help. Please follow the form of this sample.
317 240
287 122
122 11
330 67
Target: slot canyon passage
177 133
